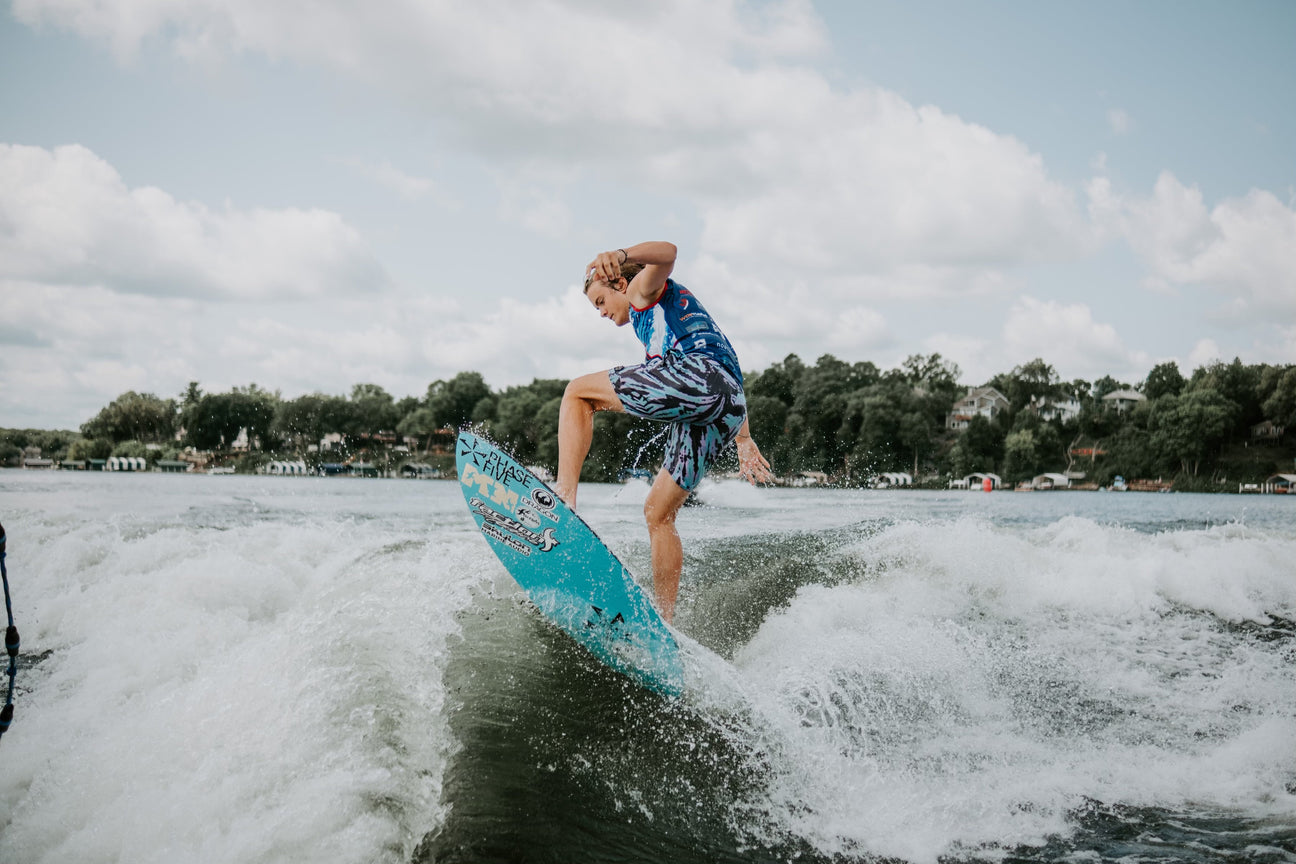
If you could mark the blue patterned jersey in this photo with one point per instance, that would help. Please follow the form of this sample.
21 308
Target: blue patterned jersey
678 322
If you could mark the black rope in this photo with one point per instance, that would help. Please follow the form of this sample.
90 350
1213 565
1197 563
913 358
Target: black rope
11 642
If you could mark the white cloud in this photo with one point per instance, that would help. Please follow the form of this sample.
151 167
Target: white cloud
66 217
1203 353
767 320
1120 121
712 99
110 289
856 329
1288 348
975 355
1065 335
88 345
407 186
875 187
1068 337
1243 248
559 64
817 201
537 207
554 337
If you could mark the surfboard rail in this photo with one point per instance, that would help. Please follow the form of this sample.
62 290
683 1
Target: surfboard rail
566 570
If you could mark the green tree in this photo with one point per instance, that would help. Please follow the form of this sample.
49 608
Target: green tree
210 425
189 400
134 416
821 401
517 419
1097 421
915 434
255 409
1280 395
407 405
932 373
891 425
1033 380
341 416
1129 450
452 402
1186 428
870 428
217 419
979 447
1238 384
767 417
308 418
484 411
1019 455
420 423
546 422
1032 446
375 409
1164 380
90 448
1105 385
780 381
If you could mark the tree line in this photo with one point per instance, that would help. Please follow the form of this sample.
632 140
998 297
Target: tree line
849 421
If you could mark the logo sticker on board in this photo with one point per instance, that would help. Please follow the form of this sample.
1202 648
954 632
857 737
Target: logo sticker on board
544 541
545 502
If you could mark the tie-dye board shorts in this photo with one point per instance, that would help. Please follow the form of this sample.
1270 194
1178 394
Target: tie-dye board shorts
697 396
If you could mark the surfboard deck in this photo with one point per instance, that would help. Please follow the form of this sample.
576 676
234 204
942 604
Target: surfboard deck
566 570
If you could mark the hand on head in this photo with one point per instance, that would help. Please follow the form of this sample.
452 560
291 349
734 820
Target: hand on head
606 266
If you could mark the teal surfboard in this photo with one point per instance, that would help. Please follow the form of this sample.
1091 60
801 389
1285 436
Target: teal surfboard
572 578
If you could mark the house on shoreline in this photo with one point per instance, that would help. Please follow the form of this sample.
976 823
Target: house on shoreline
1064 409
1267 432
976 480
1121 401
985 402
1279 484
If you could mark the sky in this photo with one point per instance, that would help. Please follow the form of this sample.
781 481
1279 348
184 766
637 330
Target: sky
307 196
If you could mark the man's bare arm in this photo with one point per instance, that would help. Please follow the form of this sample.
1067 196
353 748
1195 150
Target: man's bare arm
752 466
658 258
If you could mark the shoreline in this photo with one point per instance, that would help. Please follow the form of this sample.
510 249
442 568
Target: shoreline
1135 486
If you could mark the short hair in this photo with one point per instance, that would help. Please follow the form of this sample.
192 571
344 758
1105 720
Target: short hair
629 270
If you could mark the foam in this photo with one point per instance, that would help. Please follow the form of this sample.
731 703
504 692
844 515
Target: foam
242 669
227 695
978 684
733 494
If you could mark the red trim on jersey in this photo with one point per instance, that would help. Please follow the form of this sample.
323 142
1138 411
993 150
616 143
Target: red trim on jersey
655 302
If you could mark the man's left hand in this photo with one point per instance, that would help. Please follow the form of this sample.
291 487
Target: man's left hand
752 466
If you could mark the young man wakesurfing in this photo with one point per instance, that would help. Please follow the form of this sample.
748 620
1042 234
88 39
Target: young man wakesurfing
690 379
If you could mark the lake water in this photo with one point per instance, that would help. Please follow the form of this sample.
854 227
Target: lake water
244 669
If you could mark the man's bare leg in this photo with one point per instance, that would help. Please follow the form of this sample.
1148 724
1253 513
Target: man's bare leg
663 503
583 396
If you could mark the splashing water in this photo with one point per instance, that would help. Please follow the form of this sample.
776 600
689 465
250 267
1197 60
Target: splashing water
304 669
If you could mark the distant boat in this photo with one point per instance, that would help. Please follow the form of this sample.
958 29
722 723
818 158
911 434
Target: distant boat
225 470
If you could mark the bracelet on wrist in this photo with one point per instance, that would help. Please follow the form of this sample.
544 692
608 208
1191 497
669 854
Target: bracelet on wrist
625 256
